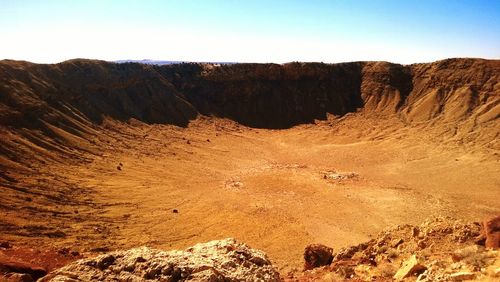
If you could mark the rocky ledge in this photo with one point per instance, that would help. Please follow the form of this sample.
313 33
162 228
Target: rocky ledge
440 249
223 260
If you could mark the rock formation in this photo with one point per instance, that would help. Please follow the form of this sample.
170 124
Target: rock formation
63 113
262 95
224 260
440 249
490 233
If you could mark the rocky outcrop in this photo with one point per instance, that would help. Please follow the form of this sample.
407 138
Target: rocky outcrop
224 260
440 249
260 95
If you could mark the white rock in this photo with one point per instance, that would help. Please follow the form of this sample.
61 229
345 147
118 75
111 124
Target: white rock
410 266
461 276
222 260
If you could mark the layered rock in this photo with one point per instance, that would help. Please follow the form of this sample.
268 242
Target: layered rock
261 95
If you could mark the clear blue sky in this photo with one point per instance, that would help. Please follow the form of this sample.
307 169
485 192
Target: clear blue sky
403 31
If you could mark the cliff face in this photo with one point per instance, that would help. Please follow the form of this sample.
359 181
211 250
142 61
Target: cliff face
259 95
454 90
61 107
88 90
272 96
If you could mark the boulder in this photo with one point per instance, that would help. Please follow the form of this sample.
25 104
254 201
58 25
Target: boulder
317 255
221 260
490 233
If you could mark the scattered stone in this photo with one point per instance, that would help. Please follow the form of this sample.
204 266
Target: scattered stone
63 251
105 261
100 250
317 255
222 260
421 244
396 242
410 266
55 234
461 276
234 183
415 231
119 168
422 276
175 211
332 175
5 245
468 251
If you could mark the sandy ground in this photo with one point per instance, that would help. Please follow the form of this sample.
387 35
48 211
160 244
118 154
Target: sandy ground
268 187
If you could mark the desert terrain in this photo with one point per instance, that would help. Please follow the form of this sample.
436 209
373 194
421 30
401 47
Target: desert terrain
98 156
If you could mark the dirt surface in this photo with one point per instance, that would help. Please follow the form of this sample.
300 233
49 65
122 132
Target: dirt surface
98 156
264 187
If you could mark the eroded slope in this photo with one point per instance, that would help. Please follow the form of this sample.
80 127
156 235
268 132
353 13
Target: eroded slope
98 155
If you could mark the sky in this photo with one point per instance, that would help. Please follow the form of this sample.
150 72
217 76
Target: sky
278 31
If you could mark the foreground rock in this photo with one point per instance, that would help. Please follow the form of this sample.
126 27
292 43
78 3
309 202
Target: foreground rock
490 233
440 249
224 260
317 255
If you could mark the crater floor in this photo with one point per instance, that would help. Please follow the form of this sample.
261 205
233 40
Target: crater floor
337 182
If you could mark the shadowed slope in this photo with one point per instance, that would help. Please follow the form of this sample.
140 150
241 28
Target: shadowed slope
258 95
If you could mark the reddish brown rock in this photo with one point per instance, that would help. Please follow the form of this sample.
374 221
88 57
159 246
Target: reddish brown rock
9 265
27 264
490 233
317 255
